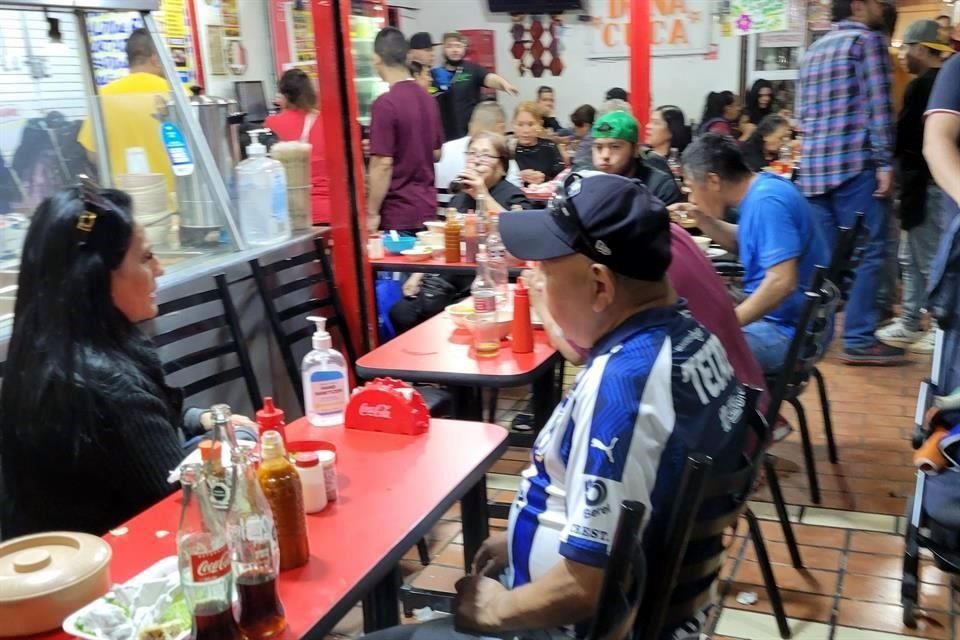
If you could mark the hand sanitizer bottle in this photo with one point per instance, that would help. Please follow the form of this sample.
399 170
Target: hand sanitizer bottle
262 196
324 373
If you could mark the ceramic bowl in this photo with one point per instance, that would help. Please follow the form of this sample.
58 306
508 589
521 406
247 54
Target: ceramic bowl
435 226
48 576
459 311
504 320
402 243
703 242
417 254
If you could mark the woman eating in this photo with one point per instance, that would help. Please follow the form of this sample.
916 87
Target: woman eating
763 146
89 431
539 160
296 122
486 174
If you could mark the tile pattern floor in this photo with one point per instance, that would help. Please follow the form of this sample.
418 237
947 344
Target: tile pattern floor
851 542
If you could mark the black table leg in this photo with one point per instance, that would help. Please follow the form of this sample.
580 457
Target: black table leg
381 607
468 403
473 513
543 398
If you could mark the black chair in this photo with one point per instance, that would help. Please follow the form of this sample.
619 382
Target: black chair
708 504
311 270
624 579
216 313
846 257
806 349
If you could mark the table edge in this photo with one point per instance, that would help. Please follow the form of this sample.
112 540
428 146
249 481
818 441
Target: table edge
459 379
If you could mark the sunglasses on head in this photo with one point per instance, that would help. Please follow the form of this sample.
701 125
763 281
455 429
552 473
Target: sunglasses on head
565 214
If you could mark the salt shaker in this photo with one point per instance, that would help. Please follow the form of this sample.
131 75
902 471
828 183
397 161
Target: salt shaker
312 478
328 460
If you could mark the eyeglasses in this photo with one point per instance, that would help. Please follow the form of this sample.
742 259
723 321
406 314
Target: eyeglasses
565 214
486 157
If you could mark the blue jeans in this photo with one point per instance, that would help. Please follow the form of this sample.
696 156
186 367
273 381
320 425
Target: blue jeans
769 343
916 252
839 208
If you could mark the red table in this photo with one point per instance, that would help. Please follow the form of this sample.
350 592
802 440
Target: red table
436 351
402 264
393 489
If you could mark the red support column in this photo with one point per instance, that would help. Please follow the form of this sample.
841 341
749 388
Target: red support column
338 115
640 60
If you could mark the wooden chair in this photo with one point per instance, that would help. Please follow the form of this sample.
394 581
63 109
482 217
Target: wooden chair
311 270
202 318
708 504
806 349
624 579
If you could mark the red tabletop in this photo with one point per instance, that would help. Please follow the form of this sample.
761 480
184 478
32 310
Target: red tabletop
393 488
436 351
433 265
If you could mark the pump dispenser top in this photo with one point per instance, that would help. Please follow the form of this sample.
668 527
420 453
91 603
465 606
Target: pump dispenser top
255 148
321 337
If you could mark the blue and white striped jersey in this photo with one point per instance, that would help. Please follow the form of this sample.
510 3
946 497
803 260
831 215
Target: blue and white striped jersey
656 388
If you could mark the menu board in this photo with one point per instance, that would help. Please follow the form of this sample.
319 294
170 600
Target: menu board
294 45
231 18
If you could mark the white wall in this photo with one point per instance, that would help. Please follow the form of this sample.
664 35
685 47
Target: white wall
255 36
683 81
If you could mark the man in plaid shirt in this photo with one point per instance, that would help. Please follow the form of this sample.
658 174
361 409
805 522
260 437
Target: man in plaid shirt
843 103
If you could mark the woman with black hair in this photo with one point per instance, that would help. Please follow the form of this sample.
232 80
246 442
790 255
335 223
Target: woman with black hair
297 121
667 130
89 431
720 114
763 146
759 101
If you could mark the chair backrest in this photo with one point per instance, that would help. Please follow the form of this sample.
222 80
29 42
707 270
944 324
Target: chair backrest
278 280
847 254
199 341
689 553
624 578
810 341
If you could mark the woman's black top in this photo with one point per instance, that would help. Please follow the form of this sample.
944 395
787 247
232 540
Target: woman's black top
66 474
505 193
544 156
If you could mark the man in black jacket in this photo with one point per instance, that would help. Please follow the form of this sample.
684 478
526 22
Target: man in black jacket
920 199
616 151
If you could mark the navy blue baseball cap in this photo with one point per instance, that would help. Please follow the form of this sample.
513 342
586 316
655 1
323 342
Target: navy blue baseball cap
614 221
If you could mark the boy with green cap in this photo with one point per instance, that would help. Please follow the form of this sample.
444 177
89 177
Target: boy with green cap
616 151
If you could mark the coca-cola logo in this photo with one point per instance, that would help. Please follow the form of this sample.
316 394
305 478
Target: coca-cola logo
375 411
210 566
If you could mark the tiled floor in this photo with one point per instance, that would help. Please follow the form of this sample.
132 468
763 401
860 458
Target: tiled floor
851 543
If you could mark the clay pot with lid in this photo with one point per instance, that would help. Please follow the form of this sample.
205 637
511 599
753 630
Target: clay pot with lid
47 576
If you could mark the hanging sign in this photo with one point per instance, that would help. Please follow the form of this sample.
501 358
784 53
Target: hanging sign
677 28
796 32
758 16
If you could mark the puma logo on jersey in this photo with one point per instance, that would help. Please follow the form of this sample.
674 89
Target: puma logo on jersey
596 443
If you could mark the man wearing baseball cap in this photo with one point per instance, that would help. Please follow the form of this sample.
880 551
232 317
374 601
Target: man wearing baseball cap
421 49
616 150
921 203
460 83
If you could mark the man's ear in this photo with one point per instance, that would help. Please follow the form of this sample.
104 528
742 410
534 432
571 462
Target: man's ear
604 286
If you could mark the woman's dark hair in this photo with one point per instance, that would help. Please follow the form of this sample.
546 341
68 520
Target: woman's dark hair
755 112
65 319
753 149
717 101
676 123
584 115
499 144
297 87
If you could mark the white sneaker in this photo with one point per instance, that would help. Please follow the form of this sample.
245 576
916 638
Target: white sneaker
925 344
896 334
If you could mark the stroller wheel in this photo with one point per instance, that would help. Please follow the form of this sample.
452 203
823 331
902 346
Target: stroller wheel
909 614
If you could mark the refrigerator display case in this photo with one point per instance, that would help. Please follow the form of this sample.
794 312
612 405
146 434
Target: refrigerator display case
366 20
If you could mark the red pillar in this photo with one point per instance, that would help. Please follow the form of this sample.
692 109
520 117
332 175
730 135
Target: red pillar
640 60
338 115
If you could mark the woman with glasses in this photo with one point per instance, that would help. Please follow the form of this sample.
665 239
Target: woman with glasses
486 174
539 159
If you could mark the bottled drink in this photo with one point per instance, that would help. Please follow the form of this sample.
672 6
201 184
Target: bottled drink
204 562
486 334
471 240
785 161
676 168
254 551
497 261
281 486
212 451
482 216
451 239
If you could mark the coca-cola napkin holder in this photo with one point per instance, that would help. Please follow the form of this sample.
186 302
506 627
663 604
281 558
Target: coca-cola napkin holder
389 406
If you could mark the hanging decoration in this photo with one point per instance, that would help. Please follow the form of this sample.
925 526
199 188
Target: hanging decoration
758 16
536 44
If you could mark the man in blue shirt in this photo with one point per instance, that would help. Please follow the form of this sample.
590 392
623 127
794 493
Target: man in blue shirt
776 239
656 387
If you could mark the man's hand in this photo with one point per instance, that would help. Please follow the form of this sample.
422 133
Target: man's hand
681 212
532 176
412 285
206 421
884 183
493 556
477 604
510 89
373 222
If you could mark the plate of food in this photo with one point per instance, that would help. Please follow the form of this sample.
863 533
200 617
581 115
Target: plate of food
149 606
716 252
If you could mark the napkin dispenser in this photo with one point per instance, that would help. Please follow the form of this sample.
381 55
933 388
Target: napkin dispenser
387 405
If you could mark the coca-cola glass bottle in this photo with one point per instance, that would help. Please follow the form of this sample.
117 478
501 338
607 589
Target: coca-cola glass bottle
204 561
252 536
